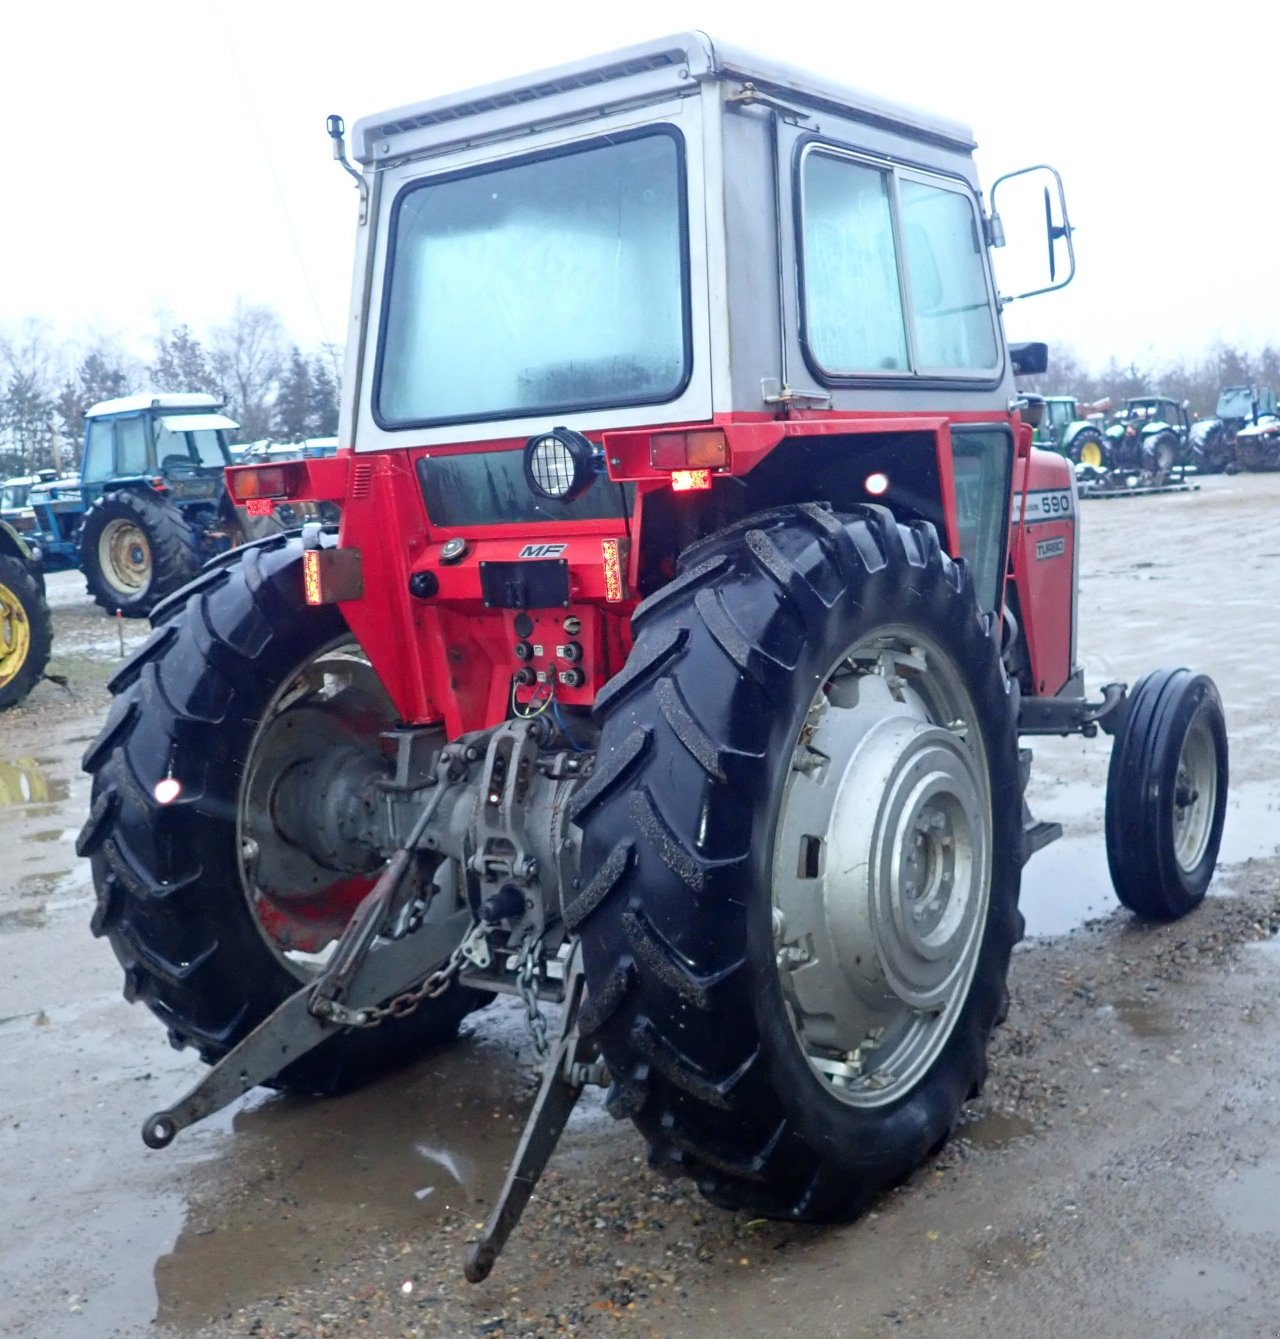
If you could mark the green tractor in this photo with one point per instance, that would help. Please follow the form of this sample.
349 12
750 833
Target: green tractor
1063 429
26 629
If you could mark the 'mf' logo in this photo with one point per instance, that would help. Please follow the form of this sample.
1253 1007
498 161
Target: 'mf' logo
542 550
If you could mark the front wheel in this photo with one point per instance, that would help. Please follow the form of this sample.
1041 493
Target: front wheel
225 868
26 631
135 549
801 859
1167 794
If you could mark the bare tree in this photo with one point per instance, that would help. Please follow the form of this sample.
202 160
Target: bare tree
30 368
248 355
183 365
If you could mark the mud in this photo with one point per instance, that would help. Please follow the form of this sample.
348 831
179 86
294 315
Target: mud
1119 1176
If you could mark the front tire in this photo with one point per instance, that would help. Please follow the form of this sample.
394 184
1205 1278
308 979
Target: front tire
215 918
135 549
26 631
1167 794
708 859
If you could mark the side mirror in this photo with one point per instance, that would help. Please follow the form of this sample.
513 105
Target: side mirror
1039 193
1029 360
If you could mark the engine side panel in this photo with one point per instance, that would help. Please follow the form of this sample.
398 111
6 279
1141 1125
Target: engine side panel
1045 514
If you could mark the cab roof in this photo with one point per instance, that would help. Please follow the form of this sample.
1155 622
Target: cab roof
649 68
132 404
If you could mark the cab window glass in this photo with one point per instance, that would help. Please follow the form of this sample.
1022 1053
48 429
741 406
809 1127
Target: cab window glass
983 461
950 305
131 446
853 302
99 457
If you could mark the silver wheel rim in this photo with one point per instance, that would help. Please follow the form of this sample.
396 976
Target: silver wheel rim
124 556
882 867
1195 794
327 702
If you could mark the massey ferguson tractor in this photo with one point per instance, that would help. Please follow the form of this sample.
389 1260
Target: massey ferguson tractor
695 586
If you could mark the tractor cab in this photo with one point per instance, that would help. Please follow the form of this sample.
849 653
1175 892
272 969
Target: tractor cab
1059 413
1245 404
179 443
15 500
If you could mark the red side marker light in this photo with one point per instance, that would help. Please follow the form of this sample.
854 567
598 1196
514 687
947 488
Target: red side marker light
330 576
259 506
168 788
876 484
611 553
686 481
311 587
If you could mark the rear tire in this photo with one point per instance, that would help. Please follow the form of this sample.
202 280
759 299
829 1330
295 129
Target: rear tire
690 848
1167 794
1088 448
135 549
26 631
206 953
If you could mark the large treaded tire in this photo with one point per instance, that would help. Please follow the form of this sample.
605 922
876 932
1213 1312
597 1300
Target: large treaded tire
1142 783
1088 437
698 733
19 671
169 894
173 556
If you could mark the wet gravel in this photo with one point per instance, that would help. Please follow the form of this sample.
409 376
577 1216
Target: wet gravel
608 1247
1117 1178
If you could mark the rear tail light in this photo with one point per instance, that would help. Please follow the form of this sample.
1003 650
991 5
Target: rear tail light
265 481
701 449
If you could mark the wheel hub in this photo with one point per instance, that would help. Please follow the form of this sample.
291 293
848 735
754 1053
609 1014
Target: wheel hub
1195 795
15 635
124 556
305 806
881 874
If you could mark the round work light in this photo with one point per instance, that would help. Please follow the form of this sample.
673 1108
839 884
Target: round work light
559 464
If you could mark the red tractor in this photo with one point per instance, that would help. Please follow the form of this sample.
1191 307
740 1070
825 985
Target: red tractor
695 582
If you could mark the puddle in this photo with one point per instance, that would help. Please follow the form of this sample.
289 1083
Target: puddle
23 781
1143 1017
1068 882
1247 1201
1191 1286
302 1179
995 1130
25 918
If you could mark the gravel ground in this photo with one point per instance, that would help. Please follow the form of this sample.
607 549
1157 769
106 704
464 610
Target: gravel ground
1118 1176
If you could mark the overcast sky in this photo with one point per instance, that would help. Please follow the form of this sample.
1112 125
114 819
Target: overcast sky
167 158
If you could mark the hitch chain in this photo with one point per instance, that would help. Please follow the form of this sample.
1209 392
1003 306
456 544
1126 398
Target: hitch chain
530 955
402 1005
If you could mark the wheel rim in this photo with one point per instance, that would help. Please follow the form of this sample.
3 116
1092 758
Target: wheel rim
328 714
15 635
124 556
882 868
1195 794
1091 454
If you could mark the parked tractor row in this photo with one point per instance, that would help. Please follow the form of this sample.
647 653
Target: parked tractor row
1152 440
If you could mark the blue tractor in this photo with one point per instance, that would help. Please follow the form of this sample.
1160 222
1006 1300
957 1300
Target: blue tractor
149 506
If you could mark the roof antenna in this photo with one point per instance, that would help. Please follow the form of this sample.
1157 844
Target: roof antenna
337 129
